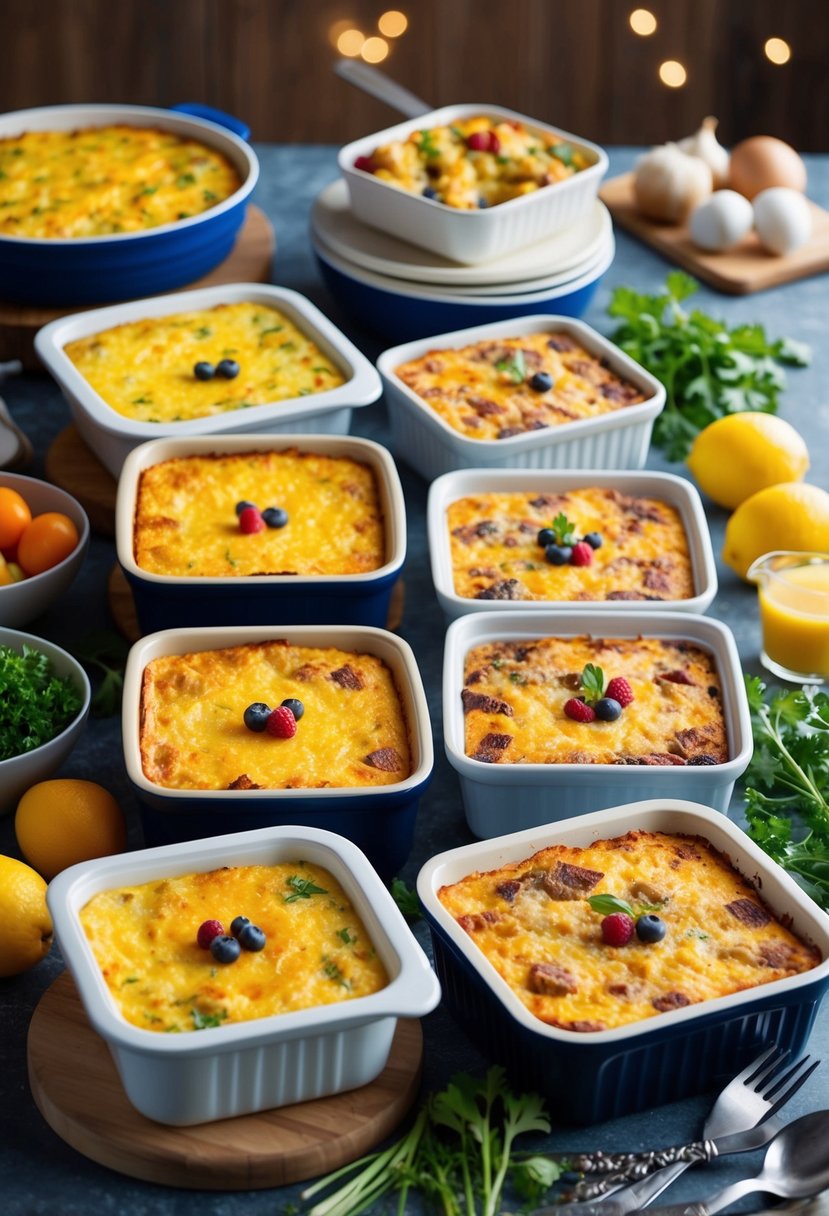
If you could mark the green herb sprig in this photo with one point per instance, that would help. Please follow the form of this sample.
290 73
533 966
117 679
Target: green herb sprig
515 366
564 530
406 899
591 683
106 652
35 703
301 888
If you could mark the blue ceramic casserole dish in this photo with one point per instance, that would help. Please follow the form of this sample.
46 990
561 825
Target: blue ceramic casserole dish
91 270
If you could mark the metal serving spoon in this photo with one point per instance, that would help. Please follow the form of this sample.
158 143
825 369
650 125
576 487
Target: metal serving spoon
371 80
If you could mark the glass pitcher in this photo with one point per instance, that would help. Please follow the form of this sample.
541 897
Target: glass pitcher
794 614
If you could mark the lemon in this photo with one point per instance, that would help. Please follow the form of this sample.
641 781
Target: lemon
63 821
736 456
27 925
793 515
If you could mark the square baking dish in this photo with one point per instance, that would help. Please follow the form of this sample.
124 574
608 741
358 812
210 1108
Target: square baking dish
593 1077
172 601
470 237
676 491
497 796
618 440
242 1067
111 436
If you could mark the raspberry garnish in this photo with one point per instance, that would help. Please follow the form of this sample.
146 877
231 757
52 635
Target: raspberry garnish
282 723
620 691
365 163
250 520
207 930
579 711
582 554
617 929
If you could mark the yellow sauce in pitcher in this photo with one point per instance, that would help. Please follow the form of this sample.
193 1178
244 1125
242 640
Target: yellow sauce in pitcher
794 613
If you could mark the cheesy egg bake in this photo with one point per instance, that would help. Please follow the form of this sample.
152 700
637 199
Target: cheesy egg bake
514 696
144 369
98 181
317 950
495 553
534 924
500 387
186 521
192 734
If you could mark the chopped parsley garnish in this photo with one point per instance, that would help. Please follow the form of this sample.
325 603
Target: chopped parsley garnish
427 144
301 888
332 972
345 935
515 366
185 179
35 704
204 331
204 1021
562 152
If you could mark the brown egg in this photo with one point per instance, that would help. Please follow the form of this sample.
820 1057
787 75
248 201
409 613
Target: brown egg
762 162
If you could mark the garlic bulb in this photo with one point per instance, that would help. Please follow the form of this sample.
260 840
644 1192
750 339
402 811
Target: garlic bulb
706 146
668 183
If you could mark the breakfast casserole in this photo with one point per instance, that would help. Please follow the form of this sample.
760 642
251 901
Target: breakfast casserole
532 702
100 181
695 929
499 387
197 364
330 520
306 946
193 734
503 547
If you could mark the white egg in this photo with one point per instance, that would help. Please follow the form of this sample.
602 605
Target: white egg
782 219
721 221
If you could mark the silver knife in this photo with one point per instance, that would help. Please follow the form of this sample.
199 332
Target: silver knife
817 1206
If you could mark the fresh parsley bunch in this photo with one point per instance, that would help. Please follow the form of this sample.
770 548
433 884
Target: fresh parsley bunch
708 370
35 703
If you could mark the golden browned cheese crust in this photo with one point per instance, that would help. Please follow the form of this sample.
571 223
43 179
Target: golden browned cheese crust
534 924
317 950
192 733
483 390
98 181
496 555
186 522
515 692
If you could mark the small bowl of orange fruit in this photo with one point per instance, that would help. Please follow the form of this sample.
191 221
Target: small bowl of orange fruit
44 535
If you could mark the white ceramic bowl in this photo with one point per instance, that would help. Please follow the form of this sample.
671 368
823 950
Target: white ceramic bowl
112 436
617 440
243 1067
589 1078
470 236
23 602
499 796
676 491
18 773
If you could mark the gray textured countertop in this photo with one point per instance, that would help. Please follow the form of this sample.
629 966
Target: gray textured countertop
40 1174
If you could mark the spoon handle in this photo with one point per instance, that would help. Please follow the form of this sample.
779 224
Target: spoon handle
372 80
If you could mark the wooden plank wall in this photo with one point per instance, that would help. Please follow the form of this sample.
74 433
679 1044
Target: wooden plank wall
574 63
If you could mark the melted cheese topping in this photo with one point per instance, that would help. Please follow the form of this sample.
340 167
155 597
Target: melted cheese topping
192 735
496 555
144 369
103 180
186 522
533 923
515 693
317 950
485 391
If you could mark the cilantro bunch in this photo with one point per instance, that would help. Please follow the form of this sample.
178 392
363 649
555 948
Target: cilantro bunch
708 370
35 704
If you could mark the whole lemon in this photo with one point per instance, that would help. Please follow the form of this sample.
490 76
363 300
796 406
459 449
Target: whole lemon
66 820
27 925
793 515
736 456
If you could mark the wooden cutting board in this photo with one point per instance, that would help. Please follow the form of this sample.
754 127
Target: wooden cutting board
745 268
77 1090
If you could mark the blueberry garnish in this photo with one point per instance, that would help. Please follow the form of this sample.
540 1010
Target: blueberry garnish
238 923
256 716
482 204
251 937
593 539
546 537
243 506
204 371
541 382
429 192
651 928
225 949
275 517
558 555
228 369
607 709
295 706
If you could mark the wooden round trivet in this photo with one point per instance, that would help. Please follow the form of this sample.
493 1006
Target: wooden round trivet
249 261
77 1090
74 467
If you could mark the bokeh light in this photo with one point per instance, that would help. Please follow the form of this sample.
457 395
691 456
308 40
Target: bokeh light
374 50
351 43
642 22
778 50
339 28
393 23
672 73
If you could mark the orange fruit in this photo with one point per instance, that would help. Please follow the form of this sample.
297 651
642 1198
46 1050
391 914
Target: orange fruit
47 540
66 820
14 516
27 925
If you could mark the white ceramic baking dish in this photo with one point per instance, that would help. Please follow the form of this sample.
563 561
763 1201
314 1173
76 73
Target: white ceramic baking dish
243 1067
499 796
676 491
617 440
111 435
470 237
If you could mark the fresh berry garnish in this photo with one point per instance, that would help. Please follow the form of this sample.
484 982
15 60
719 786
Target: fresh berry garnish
651 928
282 723
558 555
365 163
608 709
275 517
207 930
579 710
619 690
483 141
429 192
238 923
546 537
256 716
250 521
251 937
593 539
677 677
482 203
241 506
581 555
617 929
541 382
295 706
228 369
225 949
204 371
703 760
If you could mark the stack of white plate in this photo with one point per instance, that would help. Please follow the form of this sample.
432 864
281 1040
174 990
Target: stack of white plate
405 292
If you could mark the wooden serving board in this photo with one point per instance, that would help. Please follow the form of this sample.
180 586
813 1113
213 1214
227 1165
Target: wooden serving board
745 268
74 467
77 1090
249 261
